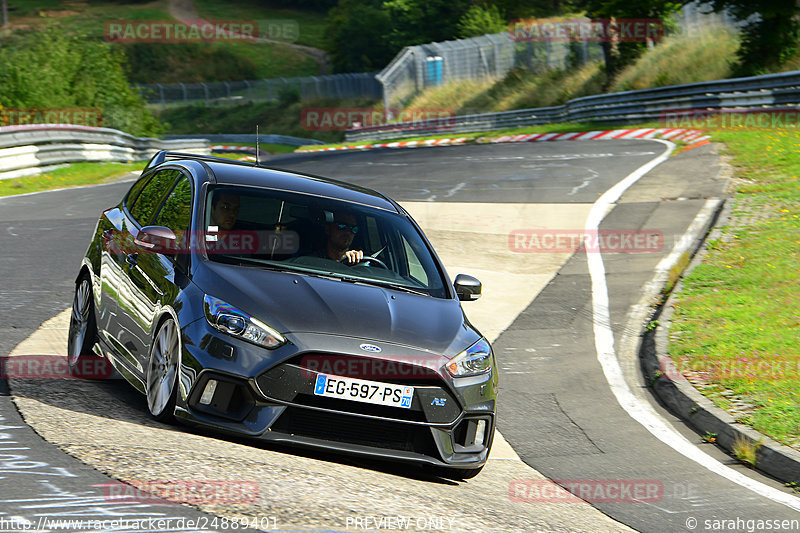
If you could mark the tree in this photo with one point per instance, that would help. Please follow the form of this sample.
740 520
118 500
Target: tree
479 20
48 69
770 37
357 36
619 54
425 21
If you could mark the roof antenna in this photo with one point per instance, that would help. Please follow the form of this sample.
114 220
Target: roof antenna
257 150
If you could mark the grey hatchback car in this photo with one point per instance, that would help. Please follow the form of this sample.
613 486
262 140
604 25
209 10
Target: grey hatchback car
290 308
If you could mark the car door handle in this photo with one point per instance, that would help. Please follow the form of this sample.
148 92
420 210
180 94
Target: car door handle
131 259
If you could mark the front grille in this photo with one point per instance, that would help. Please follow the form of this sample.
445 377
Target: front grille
369 368
294 384
356 430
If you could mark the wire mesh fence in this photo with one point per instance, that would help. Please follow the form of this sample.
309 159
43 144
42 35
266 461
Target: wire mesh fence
488 57
423 66
360 85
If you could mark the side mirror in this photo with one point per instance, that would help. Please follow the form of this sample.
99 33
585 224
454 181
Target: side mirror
157 240
467 288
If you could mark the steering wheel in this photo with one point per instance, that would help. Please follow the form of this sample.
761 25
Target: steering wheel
375 260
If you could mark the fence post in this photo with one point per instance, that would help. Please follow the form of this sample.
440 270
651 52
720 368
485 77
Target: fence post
185 96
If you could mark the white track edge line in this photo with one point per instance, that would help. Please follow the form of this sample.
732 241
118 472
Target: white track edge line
643 413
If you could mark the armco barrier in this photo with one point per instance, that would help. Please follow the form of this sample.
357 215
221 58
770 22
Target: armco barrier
249 138
26 149
775 91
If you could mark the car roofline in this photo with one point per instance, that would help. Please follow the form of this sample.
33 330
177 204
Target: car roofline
166 155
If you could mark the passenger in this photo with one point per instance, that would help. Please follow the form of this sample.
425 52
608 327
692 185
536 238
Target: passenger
224 211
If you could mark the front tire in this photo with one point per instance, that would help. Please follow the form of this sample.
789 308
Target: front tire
82 327
458 474
162 372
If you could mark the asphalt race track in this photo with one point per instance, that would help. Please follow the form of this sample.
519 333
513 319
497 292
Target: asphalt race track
557 410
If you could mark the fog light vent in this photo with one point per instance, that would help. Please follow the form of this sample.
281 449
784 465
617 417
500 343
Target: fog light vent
208 392
480 432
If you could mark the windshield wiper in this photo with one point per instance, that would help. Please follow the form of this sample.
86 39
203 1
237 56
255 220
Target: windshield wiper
378 283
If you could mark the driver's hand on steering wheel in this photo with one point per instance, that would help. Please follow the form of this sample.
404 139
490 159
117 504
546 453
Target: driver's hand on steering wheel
352 257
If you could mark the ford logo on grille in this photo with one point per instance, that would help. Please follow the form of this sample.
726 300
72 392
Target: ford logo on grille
370 348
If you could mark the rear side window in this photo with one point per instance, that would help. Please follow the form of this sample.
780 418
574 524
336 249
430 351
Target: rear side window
177 211
146 203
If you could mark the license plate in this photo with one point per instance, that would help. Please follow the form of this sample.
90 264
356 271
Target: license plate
362 390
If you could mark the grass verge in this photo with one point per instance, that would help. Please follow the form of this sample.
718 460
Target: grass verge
736 322
70 176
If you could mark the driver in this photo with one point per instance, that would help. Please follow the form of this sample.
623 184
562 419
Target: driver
339 236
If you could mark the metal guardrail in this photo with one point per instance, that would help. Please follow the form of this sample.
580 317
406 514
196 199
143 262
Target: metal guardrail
772 90
250 138
28 149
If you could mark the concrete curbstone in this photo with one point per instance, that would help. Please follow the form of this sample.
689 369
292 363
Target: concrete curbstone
682 398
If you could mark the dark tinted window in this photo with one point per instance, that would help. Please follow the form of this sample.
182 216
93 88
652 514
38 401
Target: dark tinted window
134 192
149 199
177 211
299 232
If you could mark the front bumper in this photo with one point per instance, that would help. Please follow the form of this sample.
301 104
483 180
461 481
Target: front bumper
239 388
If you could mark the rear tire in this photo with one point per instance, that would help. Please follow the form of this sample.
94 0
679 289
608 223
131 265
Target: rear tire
82 328
162 372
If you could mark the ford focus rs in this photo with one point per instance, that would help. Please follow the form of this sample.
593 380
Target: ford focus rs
289 308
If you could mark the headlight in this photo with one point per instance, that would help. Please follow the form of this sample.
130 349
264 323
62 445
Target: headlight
232 321
477 359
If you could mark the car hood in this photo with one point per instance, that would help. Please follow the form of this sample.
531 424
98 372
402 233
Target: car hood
299 303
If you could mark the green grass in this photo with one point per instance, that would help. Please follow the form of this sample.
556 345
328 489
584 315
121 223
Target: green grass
282 118
85 18
182 62
519 89
270 148
679 59
311 24
737 318
69 176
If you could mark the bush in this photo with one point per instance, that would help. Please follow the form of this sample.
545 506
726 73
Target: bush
48 69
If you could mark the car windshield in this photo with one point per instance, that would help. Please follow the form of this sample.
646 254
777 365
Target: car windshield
314 235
